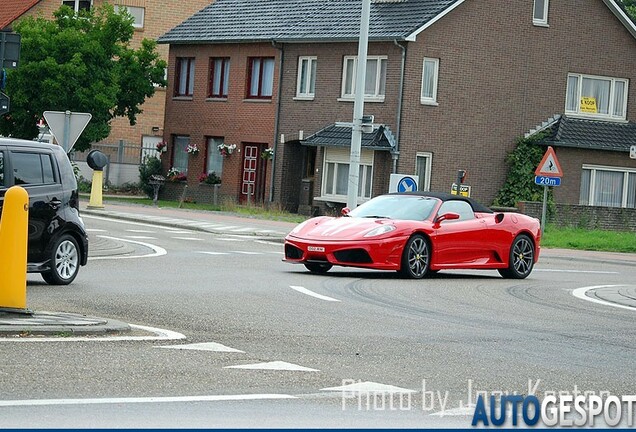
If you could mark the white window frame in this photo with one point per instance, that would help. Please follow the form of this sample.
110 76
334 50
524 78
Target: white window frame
612 95
592 192
380 81
424 184
542 20
309 79
432 99
214 157
76 4
341 156
136 24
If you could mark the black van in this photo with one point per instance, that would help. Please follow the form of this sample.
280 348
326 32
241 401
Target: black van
58 244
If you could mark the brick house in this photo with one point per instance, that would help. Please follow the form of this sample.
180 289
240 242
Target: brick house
451 85
152 18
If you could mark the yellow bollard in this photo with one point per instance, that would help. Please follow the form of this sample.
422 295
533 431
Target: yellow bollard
14 237
95 201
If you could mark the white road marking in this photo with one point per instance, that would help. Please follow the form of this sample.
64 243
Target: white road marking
178 232
580 293
243 229
205 346
227 227
230 239
575 271
118 221
304 290
369 387
188 238
160 334
213 253
275 365
267 242
141 237
158 250
130 400
94 229
141 231
248 253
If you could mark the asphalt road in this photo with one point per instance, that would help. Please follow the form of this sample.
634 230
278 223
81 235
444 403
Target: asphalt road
436 341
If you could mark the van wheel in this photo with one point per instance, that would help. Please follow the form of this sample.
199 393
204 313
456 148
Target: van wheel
64 261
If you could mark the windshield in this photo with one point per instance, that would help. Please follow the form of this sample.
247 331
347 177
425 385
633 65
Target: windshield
405 207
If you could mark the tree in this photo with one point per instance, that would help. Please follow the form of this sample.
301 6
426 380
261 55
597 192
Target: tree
83 63
630 8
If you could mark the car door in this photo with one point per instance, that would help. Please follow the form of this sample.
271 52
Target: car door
35 171
459 241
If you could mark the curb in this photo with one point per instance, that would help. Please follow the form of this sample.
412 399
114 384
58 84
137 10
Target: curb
22 324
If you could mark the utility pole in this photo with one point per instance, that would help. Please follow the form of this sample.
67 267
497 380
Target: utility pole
358 107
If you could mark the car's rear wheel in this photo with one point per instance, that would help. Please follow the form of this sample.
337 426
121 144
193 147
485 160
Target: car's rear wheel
318 268
65 261
416 257
521 259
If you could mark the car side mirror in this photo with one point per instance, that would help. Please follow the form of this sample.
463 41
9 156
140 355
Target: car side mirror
446 216
345 211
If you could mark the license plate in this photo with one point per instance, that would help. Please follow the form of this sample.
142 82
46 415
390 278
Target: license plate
316 249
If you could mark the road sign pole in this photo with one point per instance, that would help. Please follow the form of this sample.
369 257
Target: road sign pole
544 209
67 131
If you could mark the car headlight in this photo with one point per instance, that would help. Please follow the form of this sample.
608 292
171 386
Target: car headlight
380 230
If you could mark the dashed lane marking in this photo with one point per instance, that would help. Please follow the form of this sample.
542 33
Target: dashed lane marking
304 290
205 346
213 253
275 365
141 237
188 238
368 387
140 231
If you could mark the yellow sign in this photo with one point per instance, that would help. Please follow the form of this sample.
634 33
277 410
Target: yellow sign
463 191
588 105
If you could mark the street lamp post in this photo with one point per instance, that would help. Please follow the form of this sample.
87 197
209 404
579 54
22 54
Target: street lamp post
358 107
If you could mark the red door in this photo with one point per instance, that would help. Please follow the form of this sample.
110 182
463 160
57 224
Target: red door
253 177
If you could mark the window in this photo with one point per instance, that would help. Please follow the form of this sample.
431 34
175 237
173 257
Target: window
540 12
184 76
429 81
374 87
32 168
214 158
608 186
261 77
218 81
462 208
335 179
423 163
78 5
306 87
179 153
136 12
598 97
1 169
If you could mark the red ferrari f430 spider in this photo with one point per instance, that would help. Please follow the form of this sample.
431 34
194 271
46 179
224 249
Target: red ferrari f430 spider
417 234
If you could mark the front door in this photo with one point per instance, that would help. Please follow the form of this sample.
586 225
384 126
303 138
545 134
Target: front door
254 170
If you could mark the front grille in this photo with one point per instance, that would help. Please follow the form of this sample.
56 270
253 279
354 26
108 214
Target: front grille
359 256
292 252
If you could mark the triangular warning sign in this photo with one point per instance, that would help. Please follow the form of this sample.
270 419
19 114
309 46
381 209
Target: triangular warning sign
549 165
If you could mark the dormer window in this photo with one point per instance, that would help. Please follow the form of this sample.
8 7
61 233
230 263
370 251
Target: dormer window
540 13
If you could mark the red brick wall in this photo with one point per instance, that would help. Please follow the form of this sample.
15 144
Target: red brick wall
499 77
236 119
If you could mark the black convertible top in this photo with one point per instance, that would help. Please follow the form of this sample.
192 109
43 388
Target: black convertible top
477 207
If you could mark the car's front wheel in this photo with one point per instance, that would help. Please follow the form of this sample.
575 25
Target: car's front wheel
319 268
64 261
416 258
521 258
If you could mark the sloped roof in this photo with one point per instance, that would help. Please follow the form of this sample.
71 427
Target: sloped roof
306 20
11 10
337 135
591 134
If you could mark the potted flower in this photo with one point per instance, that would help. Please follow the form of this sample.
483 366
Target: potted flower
192 149
268 153
226 149
175 175
162 147
210 178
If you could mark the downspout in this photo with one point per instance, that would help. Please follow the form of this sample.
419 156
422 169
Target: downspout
395 154
277 118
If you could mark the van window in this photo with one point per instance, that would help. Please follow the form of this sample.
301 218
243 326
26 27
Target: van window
32 168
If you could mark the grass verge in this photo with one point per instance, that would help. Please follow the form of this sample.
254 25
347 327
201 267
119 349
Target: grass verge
595 240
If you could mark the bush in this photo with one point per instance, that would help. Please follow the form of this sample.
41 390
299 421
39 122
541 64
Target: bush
211 178
150 166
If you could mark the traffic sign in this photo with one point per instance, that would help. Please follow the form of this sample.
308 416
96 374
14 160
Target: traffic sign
403 183
549 165
66 126
547 181
632 152
9 49
4 103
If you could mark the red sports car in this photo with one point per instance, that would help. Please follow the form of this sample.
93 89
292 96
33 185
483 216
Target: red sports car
417 234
